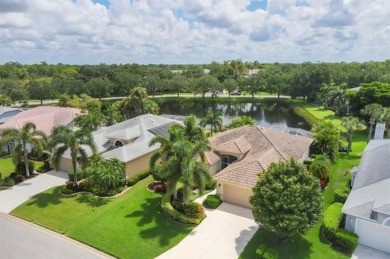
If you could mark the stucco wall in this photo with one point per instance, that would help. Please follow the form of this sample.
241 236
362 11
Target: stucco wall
137 165
66 164
215 168
350 223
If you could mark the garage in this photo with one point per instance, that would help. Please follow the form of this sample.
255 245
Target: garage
238 195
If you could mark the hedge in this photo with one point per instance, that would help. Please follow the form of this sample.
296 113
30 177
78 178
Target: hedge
341 238
341 193
173 214
212 201
138 177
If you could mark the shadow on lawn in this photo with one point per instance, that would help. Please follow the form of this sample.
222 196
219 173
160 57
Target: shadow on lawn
46 198
91 200
265 245
163 228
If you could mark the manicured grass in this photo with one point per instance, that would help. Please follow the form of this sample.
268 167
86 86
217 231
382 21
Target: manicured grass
7 166
129 226
310 245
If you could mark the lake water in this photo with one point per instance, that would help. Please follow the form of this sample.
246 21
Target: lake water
273 114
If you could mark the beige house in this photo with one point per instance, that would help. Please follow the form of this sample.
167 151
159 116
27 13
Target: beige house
239 155
128 141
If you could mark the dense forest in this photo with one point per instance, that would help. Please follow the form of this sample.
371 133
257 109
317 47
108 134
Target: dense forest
323 83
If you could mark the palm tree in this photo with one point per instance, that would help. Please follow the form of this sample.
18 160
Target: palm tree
63 138
178 161
351 123
191 131
26 135
375 111
138 103
386 119
214 119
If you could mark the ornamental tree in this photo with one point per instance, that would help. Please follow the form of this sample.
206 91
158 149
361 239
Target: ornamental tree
286 199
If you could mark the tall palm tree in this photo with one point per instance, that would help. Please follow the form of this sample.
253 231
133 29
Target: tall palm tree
63 138
351 123
26 135
178 161
375 111
191 131
214 119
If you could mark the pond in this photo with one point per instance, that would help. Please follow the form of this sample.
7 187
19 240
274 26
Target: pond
269 114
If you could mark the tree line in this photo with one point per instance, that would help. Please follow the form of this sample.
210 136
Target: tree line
45 81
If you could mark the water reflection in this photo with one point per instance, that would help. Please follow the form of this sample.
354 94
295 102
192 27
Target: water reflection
264 114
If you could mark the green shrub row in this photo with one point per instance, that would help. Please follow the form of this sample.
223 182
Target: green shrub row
341 193
170 212
212 201
138 177
342 239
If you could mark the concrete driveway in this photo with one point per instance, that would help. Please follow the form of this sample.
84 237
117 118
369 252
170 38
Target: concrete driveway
223 234
21 239
365 252
16 195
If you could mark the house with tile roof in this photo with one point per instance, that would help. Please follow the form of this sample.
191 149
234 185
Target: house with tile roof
128 141
6 113
239 155
367 208
45 119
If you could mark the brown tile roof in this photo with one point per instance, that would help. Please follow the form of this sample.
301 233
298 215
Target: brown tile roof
45 118
260 146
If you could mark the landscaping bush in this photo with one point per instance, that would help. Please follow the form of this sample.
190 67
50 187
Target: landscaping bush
156 176
194 210
9 181
21 168
160 187
212 202
211 185
175 215
19 178
65 190
339 237
341 193
138 177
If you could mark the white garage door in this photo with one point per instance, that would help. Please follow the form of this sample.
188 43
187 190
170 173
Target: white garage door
373 235
237 195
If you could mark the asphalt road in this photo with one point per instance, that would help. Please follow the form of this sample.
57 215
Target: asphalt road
21 239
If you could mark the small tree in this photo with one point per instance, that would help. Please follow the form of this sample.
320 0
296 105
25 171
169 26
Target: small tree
320 167
375 111
214 119
241 121
327 138
351 123
286 199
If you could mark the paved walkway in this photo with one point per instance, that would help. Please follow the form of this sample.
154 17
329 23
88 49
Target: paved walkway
21 239
16 195
223 234
364 252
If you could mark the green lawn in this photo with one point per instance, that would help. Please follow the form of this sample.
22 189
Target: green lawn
129 226
7 166
310 245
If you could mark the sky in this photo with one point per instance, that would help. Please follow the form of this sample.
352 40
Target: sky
193 32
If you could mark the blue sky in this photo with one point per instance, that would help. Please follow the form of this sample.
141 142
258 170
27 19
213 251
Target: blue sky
180 31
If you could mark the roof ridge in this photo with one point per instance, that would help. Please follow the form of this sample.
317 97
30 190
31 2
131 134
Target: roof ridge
272 144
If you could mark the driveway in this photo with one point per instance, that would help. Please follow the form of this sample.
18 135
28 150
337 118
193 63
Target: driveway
16 195
365 252
21 239
223 234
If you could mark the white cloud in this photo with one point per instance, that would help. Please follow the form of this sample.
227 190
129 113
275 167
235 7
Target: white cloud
178 31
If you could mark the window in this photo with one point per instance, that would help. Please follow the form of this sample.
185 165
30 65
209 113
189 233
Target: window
118 143
227 160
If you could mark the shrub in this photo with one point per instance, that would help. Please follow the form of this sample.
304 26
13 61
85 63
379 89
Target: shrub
193 210
21 168
173 214
19 178
341 193
65 190
320 167
339 237
212 202
155 174
211 185
138 177
160 188
346 240
9 181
